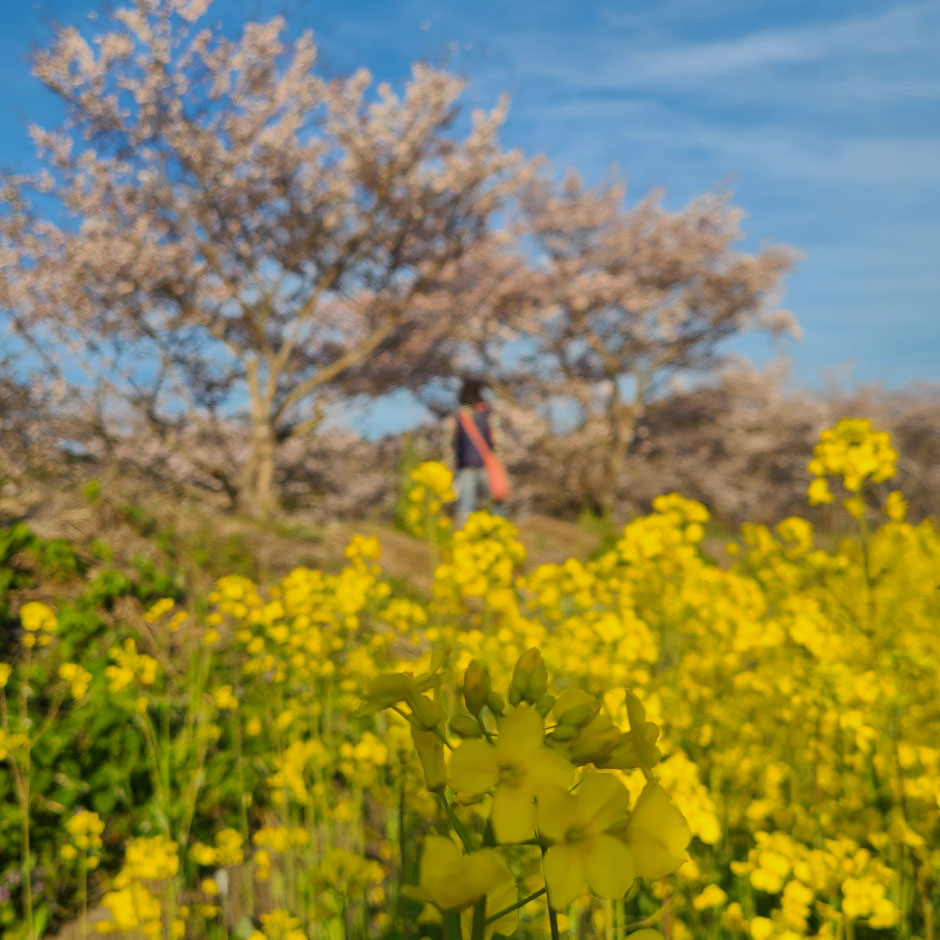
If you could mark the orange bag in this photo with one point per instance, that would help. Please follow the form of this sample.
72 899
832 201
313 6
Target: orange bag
495 471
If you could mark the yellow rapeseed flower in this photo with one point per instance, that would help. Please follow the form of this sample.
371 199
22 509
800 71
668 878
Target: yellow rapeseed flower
452 881
78 678
39 623
581 847
517 768
656 833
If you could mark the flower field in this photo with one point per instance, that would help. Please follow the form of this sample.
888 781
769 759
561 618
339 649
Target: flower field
653 742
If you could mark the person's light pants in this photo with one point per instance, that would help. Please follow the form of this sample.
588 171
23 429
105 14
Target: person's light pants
473 490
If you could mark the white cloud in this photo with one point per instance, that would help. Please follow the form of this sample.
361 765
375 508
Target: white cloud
892 32
815 101
859 57
776 148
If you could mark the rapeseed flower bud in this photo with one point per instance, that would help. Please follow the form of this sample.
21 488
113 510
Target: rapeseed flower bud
577 709
545 704
529 678
430 750
495 703
636 748
466 726
595 741
426 713
563 732
385 690
476 687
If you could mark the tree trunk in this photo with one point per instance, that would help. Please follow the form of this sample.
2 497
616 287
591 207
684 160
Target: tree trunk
259 493
621 417
617 459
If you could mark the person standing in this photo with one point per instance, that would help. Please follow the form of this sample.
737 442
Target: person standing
472 482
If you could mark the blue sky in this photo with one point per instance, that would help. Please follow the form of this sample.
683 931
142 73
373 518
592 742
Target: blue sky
822 117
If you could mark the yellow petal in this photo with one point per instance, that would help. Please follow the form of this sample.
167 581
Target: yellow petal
520 731
564 875
480 872
497 900
571 698
548 769
513 814
657 834
437 854
606 800
473 767
608 866
458 884
557 813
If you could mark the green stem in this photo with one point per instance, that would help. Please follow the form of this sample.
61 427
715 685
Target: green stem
489 737
26 867
451 925
479 919
23 790
163 799
196 780
435 729
553 923
455 823
249 896
870 579
401 842
83 860
514 907
50 718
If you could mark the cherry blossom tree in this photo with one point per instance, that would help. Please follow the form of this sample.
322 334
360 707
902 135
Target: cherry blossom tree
220 232
625 300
